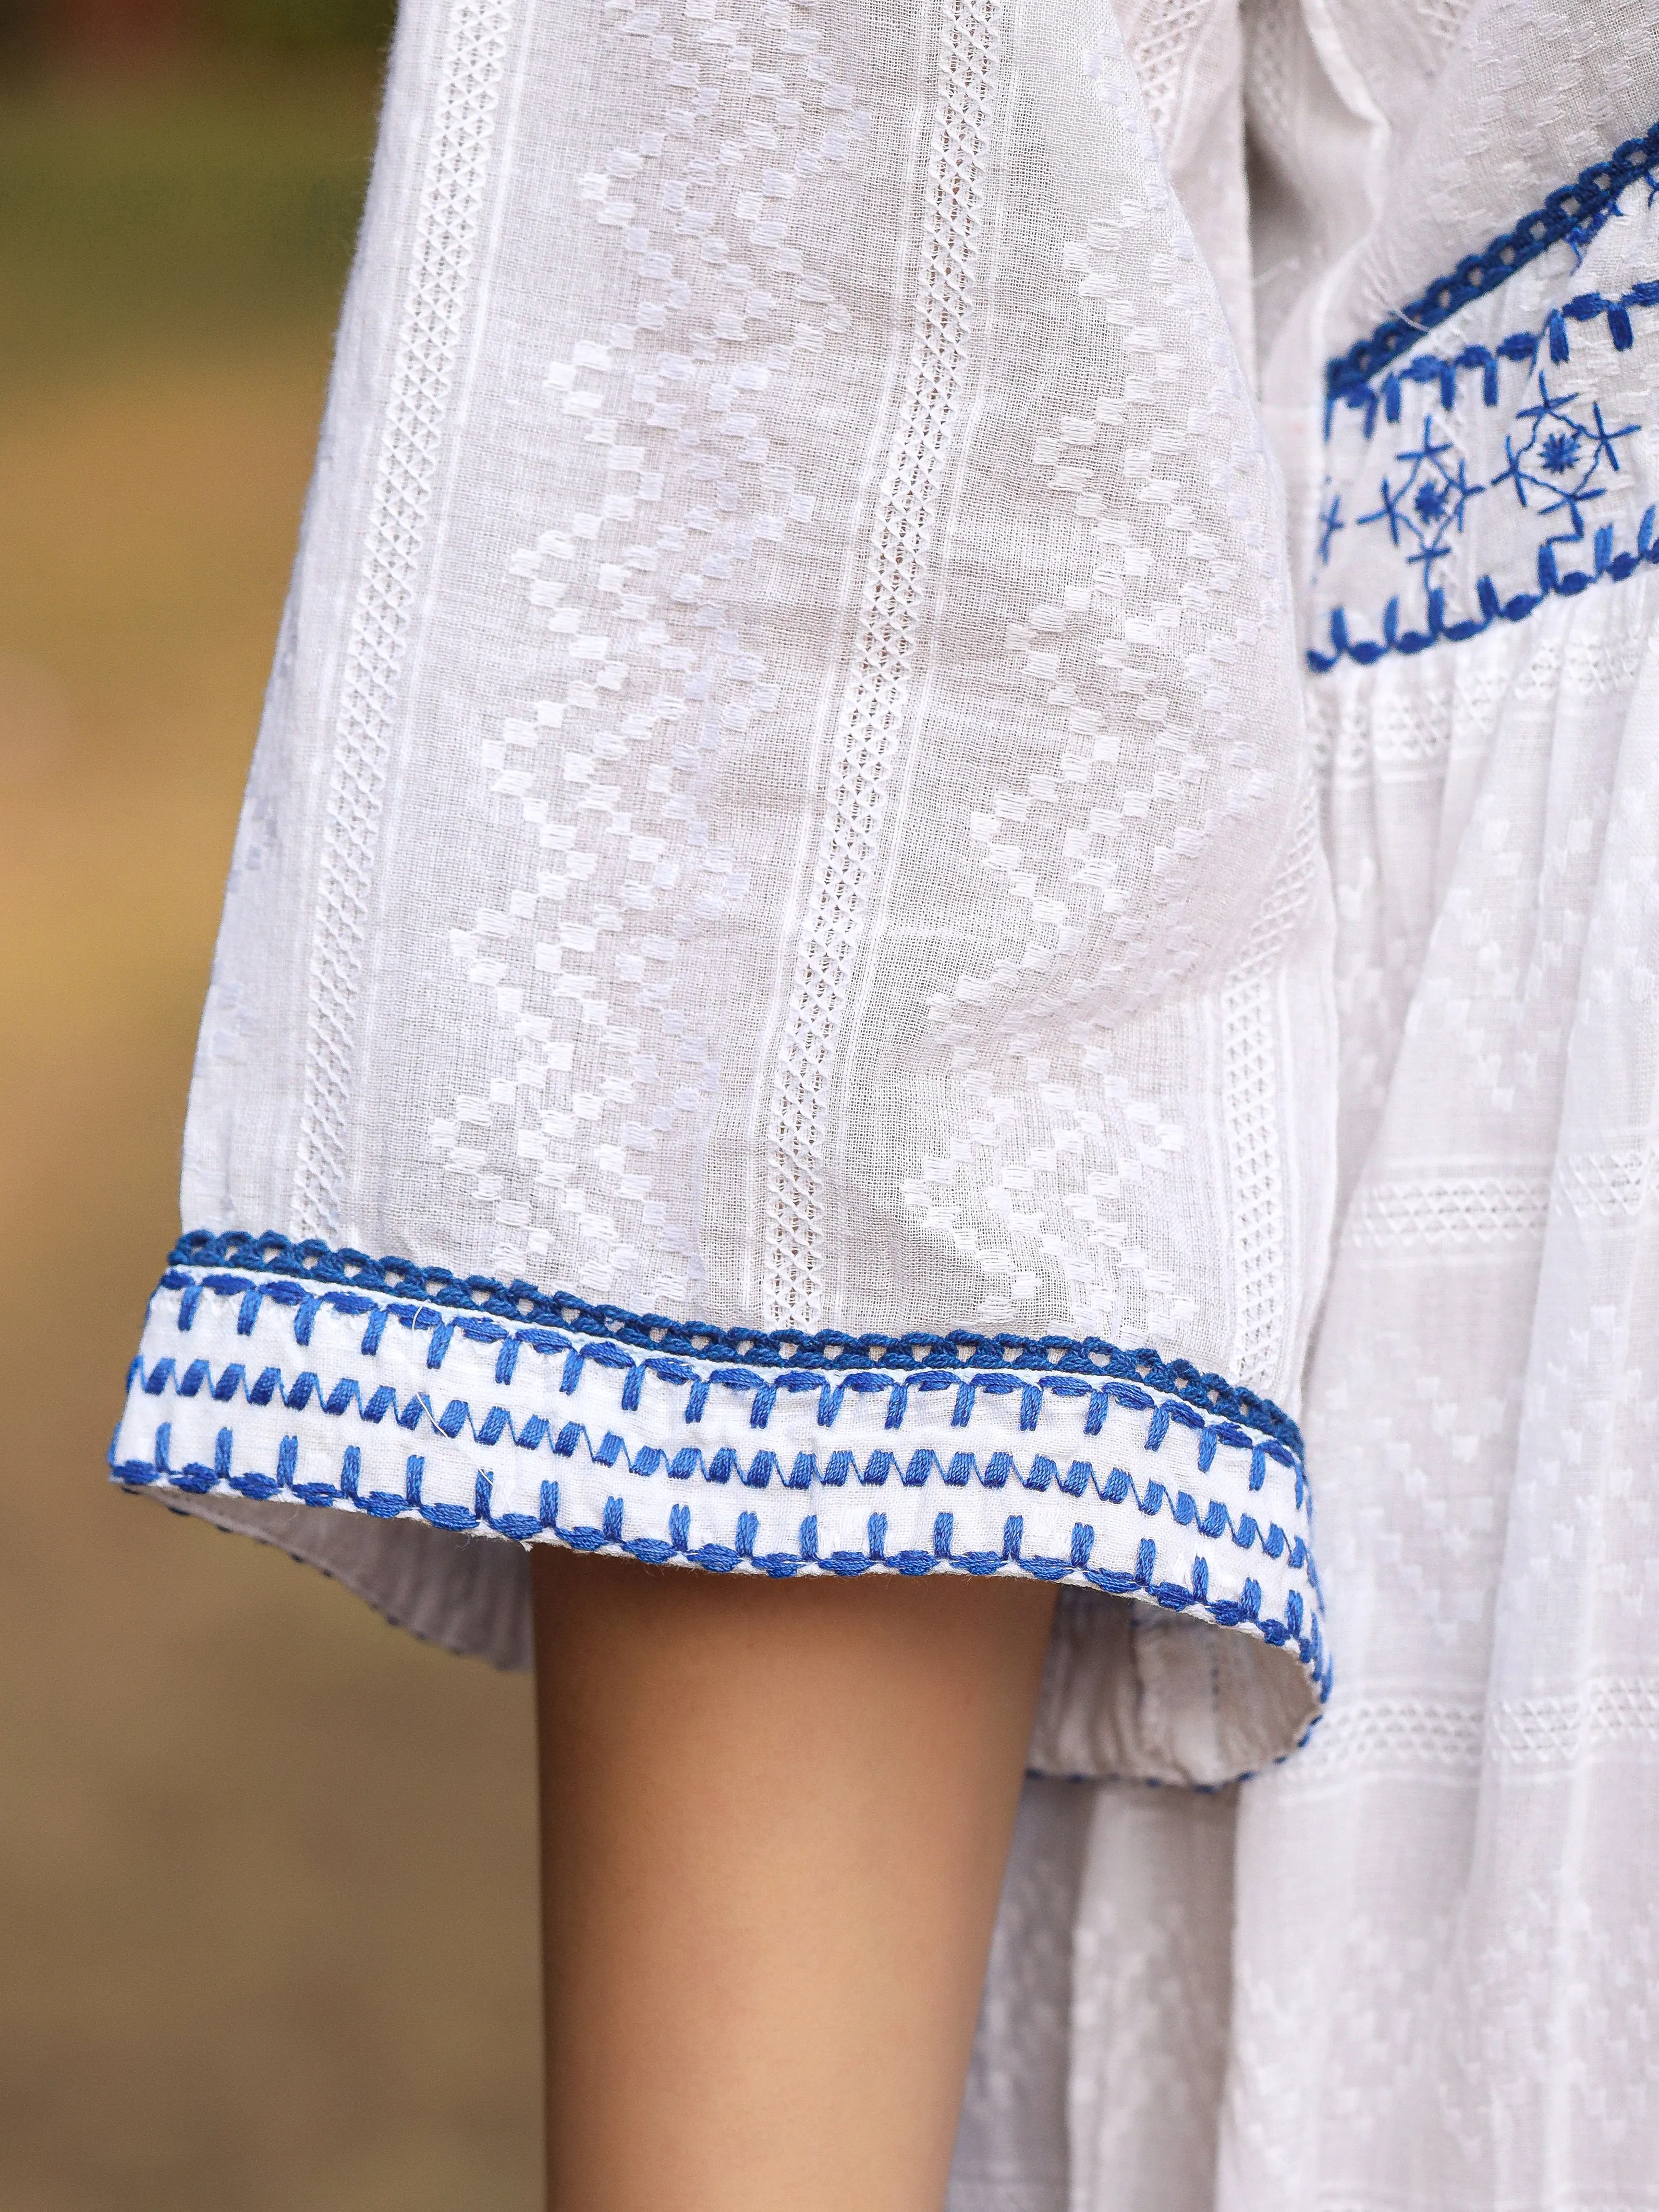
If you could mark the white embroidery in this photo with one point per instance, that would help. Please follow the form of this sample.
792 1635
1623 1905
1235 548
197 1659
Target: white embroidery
1621 1186
1105 885
873 707
1426 1739
1442 20
1158 53
674 413
1440 1212
1252 1113
446 239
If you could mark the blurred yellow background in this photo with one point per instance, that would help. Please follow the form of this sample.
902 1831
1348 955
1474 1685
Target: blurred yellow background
267 1906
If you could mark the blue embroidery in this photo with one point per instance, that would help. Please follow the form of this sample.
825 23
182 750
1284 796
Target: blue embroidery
1458 484
564 1440
313 1261
1330 521
1552 582
609 1488
1520 348
1561 456
574 1353
1427 507
1300 1628
1572 215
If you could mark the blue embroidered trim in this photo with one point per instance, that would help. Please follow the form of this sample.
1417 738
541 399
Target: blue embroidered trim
1444 369
1552 582
1561 454
1573 213
846 1356
591 1344
565 1439
760 1386
1299 1627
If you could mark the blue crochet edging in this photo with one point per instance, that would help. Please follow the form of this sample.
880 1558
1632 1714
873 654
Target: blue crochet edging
916 1351
1571 214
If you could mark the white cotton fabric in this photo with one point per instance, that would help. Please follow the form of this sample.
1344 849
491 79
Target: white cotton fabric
771 780
1432 1950
959 950
784 803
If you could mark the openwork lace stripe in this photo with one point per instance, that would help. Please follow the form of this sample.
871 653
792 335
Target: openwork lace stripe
446 238
1163 41
1251 1112
873 707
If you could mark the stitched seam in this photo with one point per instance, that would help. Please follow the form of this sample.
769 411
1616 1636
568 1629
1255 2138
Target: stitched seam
286 1265
1571 214
793 1267
445 238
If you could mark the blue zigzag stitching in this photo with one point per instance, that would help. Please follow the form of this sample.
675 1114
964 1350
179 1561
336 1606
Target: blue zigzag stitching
1572 213
313 1261
565 1439
1300 1628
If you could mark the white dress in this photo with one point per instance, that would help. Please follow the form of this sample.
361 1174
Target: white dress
783 882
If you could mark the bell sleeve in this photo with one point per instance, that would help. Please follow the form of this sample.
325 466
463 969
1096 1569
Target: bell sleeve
773 1012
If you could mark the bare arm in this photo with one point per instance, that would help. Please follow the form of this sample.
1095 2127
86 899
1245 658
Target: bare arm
775 1820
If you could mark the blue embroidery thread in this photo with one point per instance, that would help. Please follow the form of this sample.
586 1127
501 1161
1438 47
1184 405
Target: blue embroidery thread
1572 215
565 1439
1428 504
313 1261
921 1374
1300 1628
1522 347
1561 453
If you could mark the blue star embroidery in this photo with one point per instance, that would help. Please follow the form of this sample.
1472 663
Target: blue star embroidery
1557 463
1426 507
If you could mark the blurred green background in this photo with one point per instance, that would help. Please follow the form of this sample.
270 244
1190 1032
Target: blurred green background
267 1905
